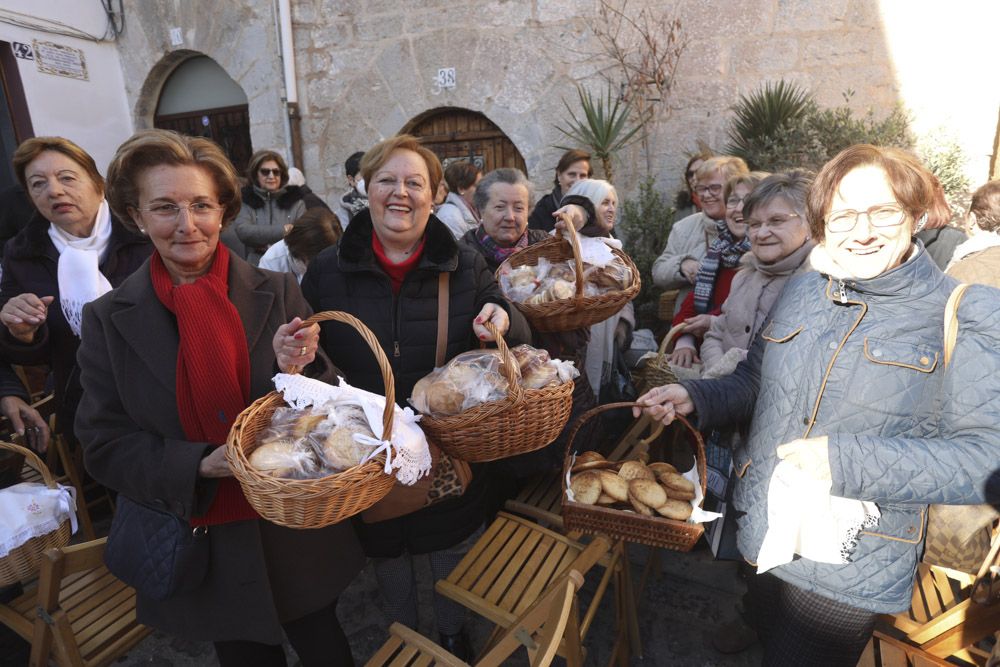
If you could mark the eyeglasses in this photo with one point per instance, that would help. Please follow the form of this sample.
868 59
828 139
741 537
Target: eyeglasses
879 215
774 222
715 190
269 172
198 211
735 201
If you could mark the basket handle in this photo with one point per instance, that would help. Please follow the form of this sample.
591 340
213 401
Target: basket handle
383 361
574 241
665 344
509 367
33 461
699 443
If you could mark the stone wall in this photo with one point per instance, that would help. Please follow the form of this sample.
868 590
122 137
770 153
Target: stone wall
365 69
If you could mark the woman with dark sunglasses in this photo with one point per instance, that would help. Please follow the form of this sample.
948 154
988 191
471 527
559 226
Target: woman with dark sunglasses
270 206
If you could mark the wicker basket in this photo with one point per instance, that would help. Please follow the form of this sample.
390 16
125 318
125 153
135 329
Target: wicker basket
657 371
665 308
23 562
523 421
579 311
310 503
629 526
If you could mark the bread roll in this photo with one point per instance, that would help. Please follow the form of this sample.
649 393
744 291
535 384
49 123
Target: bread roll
586 488
563 271
537 377
278 458
660 467
635 470
640 506
605 500
675 509
676 486
560 289
306 423
648 492
588 456
613 485
522 276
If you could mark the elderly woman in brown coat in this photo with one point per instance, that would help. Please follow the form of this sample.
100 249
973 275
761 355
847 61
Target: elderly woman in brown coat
168 360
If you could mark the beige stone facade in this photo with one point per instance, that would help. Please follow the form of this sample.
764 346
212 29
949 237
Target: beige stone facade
365 69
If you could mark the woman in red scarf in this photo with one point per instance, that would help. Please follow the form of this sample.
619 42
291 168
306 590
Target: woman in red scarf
168 360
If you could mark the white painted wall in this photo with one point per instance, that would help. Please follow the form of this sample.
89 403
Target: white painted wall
92 113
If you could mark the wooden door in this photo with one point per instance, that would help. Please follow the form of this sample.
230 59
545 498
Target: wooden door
460 134
227 126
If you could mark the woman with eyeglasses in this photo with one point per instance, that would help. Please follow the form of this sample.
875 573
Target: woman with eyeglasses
677 265
168 361
72 251
715 272
780 243
270 205
846 392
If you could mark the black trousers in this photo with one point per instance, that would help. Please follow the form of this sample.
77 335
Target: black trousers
797 627
317 638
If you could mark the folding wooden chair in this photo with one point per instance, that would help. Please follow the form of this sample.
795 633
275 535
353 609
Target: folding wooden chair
538 630
516 560
76 609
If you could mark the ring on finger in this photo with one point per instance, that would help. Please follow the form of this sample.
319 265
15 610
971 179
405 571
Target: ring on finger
302 351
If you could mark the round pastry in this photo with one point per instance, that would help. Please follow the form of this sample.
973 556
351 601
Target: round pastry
540 376
675 509
586 488
536 298
528 357
660 467
635 470
676 486
588 456
278 458
605 500
647 492
640 506
613 485
560 289
522 276
306 423
563 271
340 450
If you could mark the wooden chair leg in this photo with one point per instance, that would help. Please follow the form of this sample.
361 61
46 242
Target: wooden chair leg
631 612
73 472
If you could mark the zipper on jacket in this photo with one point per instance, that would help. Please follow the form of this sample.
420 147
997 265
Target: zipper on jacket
842 291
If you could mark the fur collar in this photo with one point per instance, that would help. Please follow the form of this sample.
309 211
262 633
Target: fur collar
254 197
355 252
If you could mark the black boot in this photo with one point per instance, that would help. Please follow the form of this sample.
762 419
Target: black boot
457 645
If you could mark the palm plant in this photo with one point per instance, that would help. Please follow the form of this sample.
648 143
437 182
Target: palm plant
604 127
760 115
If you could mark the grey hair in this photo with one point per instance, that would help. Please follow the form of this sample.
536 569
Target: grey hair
594 189
792 186
503 175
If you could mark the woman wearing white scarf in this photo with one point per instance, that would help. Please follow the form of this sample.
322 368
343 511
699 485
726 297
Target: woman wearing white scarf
70 253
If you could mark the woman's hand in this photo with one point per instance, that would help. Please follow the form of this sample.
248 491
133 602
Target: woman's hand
495 314
698 325
810 455
689 269
576 214
27 422
684 357
664 403
215 464
295 344
23 314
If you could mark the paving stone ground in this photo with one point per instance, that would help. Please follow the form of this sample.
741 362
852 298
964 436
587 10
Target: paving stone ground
683 605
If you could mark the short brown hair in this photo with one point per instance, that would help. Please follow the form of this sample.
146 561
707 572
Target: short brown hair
152 148
750 180
570 157
910 182
262 156
461 175
939 212
986 206
379 154
313 231
30 149
727 165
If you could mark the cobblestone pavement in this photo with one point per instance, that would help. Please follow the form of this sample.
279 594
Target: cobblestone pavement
681 608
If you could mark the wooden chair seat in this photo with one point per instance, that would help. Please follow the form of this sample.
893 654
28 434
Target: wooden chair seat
540 498
76 609
538 629
515 561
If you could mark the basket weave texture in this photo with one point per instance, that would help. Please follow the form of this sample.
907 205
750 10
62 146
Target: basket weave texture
23 562
657 371
523 421
629 526
666 304
311 503
578 311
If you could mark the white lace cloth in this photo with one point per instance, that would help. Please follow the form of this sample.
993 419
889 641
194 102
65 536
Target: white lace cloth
804 519
406 450
78 273
30 510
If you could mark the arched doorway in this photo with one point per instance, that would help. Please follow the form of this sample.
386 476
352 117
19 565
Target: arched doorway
460 134
199 99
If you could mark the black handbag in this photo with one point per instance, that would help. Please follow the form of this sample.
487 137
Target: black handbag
155 552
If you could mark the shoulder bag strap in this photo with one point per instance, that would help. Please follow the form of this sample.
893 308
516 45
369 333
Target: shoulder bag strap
951 321
442 331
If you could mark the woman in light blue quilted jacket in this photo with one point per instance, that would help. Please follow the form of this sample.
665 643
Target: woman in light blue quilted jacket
848 384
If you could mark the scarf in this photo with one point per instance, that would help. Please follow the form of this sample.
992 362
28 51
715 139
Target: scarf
496 252
725 250
213 369
78 271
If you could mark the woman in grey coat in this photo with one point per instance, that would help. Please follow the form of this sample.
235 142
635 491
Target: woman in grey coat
847 382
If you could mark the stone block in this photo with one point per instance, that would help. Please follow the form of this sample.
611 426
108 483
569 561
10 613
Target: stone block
379 28
765 56
809 16
843 49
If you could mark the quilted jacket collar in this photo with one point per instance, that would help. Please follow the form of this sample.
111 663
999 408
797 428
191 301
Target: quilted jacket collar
356 254
915 278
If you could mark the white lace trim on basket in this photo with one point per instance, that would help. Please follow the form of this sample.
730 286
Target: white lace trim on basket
29 510
406 450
